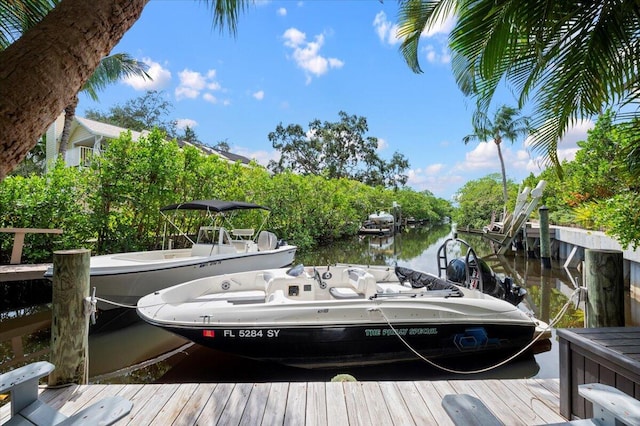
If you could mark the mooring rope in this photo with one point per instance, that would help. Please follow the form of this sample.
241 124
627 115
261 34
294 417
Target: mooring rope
553 322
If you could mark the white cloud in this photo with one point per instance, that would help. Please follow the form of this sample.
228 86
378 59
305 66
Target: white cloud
183 123
386 30
431 53
306 54
382 144
193 84
282 11
262 157
160 77
210 98
435 179
259 95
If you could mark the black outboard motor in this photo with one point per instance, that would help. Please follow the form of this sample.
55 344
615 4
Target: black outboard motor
491 283
456 272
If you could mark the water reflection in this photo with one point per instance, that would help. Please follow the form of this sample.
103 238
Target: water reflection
548 291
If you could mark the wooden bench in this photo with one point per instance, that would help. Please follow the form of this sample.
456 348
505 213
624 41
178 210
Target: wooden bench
27 409
611 407
18 240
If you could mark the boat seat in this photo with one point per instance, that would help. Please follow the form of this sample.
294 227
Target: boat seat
363 282
277 297
344 293
27 409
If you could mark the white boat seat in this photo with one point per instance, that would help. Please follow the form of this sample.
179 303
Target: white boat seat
243 233
277 297
344 293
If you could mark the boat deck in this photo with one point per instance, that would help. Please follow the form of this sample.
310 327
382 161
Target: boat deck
515 402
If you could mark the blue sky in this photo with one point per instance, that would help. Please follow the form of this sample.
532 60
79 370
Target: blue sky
295 61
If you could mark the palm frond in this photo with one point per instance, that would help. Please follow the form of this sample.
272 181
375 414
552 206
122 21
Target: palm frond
18 16
111 69
227 12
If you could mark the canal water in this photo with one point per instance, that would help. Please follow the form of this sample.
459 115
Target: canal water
123 349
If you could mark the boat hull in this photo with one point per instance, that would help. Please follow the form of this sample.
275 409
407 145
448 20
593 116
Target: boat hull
331 346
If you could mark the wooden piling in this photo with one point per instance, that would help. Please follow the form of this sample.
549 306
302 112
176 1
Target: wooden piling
69 326
605 288
545 240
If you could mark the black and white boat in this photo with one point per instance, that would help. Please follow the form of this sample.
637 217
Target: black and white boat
219 248
339 315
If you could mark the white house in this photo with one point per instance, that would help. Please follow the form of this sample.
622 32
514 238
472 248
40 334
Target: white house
87 137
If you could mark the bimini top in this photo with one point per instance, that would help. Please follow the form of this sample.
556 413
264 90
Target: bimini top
213 205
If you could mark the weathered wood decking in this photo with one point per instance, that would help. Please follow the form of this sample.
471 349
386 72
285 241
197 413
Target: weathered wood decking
515 402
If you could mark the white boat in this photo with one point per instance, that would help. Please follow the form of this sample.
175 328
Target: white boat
125 277
339 315
381 218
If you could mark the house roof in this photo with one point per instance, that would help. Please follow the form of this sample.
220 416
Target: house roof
107 130
110 131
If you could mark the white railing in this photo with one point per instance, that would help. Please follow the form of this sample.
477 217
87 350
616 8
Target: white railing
80 156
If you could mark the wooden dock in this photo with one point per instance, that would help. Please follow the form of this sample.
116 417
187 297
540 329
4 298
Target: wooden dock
380 403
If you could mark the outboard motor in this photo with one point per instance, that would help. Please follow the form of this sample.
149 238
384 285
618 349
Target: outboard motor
491 284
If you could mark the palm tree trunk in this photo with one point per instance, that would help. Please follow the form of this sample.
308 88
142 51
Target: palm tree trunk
69 113
505 195
43 70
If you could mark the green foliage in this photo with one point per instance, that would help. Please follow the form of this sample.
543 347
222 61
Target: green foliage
143 113
599 187
51 201
479 199
336 150
114 205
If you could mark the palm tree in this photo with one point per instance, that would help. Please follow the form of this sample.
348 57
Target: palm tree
575 58
111 69
507 125
39 81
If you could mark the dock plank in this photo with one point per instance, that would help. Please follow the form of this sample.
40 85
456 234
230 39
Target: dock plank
514 402
336 404
216 404
376 403
256 405
170 411
193 406
161 395
525 395
418 406
276 404
316 409
432 399
296 404
236 404
395 403
357 411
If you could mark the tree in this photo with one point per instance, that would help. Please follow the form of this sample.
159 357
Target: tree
478 199
142 113
111 69
505 125
336 150
49 64
21 16
575 57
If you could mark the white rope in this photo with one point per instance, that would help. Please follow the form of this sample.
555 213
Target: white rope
555 320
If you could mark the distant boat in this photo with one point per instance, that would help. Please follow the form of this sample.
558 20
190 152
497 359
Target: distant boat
381 218
125 277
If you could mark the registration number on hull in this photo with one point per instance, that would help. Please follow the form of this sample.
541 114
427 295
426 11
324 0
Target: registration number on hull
250 334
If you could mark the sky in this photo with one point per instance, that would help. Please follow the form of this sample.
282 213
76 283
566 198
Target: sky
292 62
